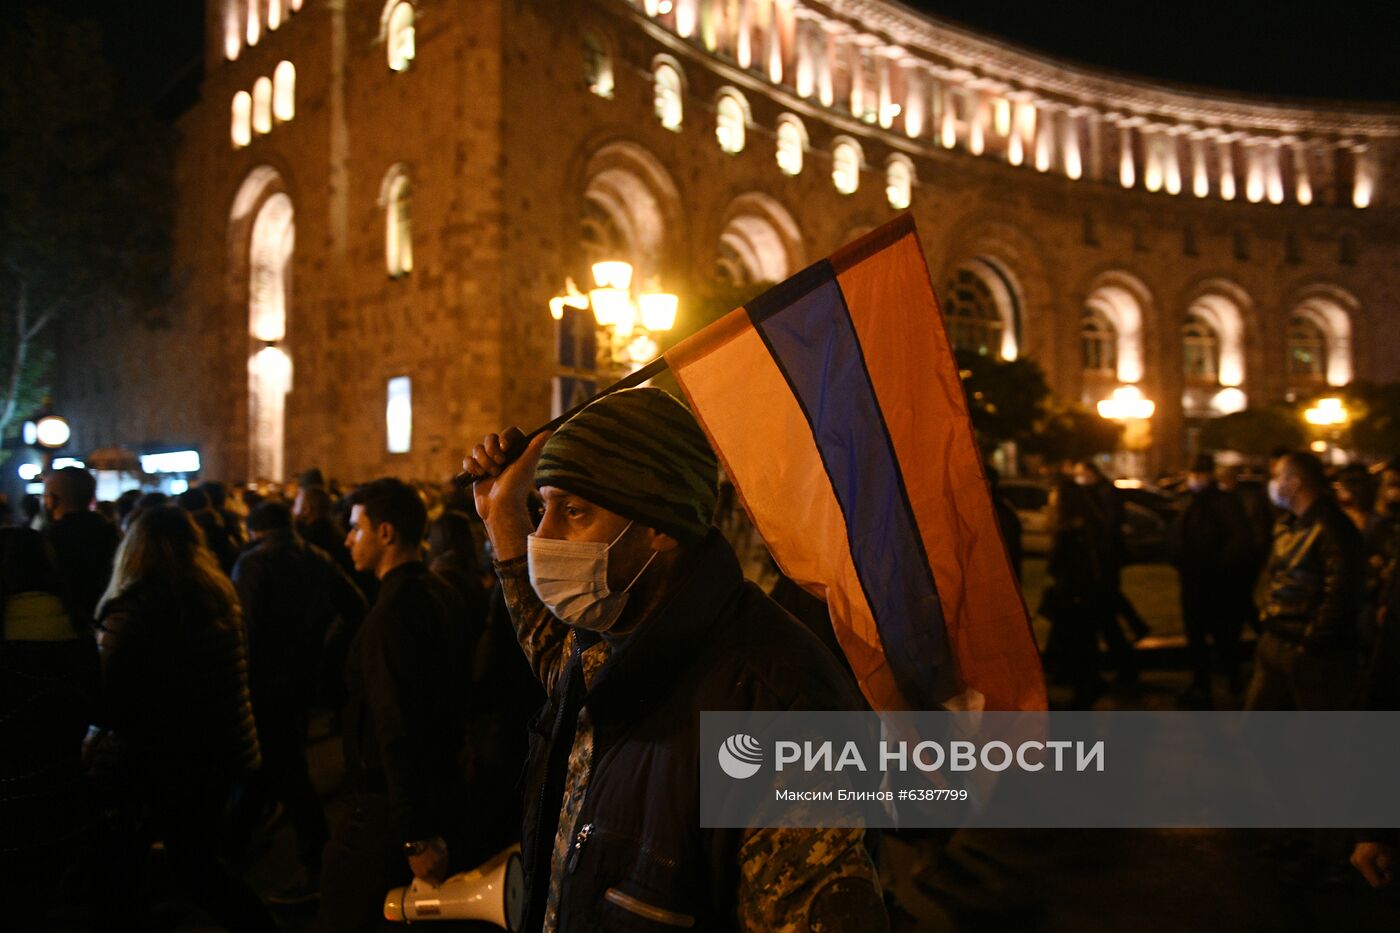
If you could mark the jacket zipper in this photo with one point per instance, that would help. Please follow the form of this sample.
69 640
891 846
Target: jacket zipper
580 839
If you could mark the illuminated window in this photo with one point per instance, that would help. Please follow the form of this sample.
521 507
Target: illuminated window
398 415
899 182
274 14
731 119
1307 350
792 144
284 91
233 28
970 311
296 5
262 105
242 129
399 36
845 165
1098 344
398 232
1200 350
670 109
597 66
254 24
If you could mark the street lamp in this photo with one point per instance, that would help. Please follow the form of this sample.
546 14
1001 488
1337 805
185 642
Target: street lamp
629 320
1329 414
1326 413
1133 410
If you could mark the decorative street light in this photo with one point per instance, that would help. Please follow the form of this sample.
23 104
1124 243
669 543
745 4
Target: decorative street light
630 320
1327 413
1129 406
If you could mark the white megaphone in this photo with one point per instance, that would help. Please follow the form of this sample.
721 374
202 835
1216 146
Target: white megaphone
493 891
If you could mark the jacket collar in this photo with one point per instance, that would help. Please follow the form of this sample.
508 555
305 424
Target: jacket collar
647 665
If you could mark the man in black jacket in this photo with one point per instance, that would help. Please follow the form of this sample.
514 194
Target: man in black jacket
634 614
1212 544
292 595
84 543
1308 656
404 722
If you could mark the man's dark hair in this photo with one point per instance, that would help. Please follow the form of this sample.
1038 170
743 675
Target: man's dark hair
311 477
394 501
316 501
193 500
74 486
127 501
270 516
216 492
1310 471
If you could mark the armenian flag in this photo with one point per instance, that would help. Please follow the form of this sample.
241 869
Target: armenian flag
835 404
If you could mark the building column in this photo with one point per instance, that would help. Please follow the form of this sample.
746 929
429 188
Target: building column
915 96
1023 120
1047 116
1127 162
1200 172
1228 182
1070 154
1302 177
1273 171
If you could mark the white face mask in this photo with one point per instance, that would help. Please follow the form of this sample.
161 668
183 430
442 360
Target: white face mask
571 579
1198 485
1275 496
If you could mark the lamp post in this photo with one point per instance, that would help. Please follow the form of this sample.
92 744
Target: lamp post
628 320
1128 406
1328 415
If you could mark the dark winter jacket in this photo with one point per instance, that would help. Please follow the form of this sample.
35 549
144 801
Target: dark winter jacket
1212 539
175 677
409 688
84 544
292 593
718 644
1316 578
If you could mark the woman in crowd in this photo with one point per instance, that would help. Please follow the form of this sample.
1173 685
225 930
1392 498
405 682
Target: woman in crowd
175 697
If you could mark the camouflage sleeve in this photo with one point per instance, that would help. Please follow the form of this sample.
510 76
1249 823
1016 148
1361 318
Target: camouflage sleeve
542 637
821 880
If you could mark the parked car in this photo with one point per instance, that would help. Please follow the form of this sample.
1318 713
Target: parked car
1147 519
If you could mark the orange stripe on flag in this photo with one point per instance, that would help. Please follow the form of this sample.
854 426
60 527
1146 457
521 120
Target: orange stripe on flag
910 361
789 497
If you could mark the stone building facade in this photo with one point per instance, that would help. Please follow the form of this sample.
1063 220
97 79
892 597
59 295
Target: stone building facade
369 191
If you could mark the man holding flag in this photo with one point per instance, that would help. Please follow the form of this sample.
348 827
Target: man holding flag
634 614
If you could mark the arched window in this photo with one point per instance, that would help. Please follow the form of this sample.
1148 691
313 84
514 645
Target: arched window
242 129
398 225
597 65
1307 350
792 144
899 182
1200 350
274 14
398 36
262 105
670 109
284 91
1098 343
845 165
731 120
254 24
970 310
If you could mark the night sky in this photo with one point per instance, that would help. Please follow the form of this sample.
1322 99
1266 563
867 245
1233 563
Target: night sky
1324 49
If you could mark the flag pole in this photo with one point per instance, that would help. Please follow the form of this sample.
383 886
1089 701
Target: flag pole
650 371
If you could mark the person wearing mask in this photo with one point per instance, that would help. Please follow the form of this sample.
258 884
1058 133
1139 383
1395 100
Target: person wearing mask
175 697
292 595
1212 544
84 543
633 612
1308 657
408 676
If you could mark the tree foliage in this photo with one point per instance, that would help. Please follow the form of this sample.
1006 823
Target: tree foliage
85 196
1255 431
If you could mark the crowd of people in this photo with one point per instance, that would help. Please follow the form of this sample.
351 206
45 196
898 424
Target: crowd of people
164 657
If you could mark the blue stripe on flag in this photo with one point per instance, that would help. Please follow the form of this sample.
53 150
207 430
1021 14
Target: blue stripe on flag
807 328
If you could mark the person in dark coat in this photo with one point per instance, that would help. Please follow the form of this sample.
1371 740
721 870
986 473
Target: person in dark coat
48 695
220 539
293 595
1309 655
1211 541
633 612
1007 520
404 723
1080 599
175 698
84 543
1104 513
